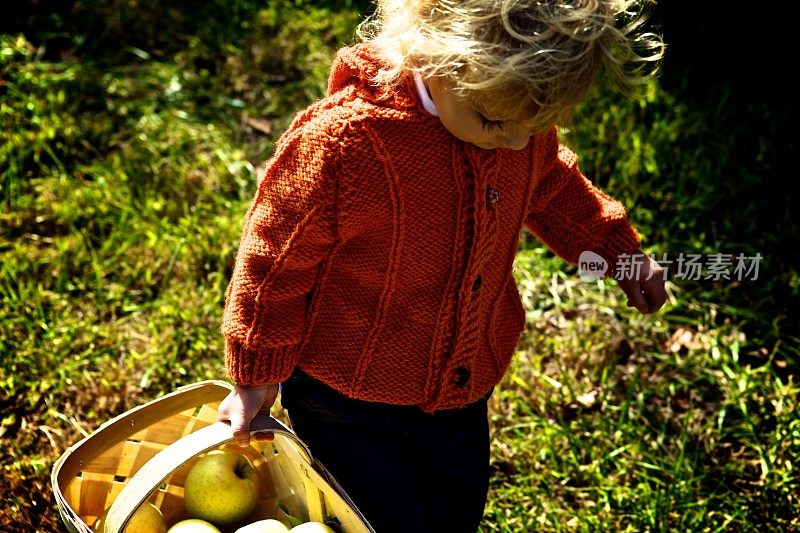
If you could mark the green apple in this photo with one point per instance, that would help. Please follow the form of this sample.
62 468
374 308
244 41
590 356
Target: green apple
312 527
193 525
146 519
221 488
264 526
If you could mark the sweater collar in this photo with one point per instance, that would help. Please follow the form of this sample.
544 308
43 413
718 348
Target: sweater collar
356 66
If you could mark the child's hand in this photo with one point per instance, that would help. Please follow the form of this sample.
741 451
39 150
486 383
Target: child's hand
242 405
647 293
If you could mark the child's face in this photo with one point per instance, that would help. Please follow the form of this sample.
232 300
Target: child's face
470 125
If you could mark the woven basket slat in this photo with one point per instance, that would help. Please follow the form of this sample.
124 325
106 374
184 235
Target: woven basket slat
124 459
108 461
171 429
94 489
284 482
72 493
144 452
171 504
208 413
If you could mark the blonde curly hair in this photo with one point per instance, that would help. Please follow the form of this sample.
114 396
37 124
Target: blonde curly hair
510 58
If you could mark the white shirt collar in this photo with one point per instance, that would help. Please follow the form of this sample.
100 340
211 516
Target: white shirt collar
424 97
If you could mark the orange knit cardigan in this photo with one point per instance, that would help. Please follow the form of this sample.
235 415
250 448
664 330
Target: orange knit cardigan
377 253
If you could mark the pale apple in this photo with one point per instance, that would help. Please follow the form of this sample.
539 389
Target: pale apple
193 525
221 488
146 519
312 527
269 525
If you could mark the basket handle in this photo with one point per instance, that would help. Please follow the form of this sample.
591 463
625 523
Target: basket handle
142 484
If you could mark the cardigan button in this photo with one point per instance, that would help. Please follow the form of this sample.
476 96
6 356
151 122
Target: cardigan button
476 285
461 376
492 197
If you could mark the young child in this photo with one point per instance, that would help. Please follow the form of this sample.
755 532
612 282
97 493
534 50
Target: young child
373 278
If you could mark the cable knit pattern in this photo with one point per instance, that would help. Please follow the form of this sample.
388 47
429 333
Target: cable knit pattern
378 250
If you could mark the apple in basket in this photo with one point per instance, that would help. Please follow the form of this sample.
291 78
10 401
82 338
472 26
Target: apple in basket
193 525
146 519
269 525
222 488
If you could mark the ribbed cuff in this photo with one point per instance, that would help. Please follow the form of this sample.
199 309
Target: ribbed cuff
259 367
623 239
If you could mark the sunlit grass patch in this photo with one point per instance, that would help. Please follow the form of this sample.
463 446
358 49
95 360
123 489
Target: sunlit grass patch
612 422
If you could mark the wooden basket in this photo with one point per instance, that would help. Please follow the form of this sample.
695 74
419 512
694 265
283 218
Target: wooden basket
146 453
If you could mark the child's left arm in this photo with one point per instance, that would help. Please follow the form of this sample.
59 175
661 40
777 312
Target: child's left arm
571 216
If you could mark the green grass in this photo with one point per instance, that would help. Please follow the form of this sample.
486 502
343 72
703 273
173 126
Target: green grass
611 422
124 176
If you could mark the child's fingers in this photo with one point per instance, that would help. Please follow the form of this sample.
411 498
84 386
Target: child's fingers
656 294
233 411
633 291
636 299
240 425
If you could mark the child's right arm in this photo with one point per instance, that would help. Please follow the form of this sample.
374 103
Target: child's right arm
288 232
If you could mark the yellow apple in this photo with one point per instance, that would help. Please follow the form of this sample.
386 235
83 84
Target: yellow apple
312 527
221 488
146 519
193 525
264 526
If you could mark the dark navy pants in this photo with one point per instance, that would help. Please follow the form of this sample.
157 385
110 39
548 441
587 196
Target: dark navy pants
407 471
